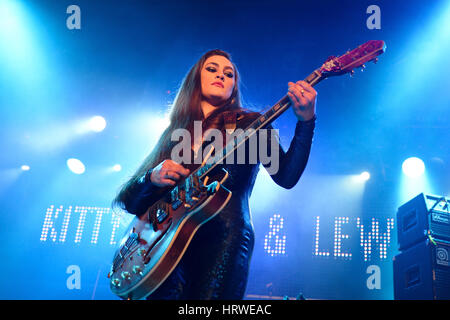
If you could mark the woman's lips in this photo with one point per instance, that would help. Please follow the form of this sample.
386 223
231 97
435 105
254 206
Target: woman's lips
217 84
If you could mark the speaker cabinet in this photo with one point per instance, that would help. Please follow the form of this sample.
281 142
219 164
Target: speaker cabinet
422 272
423 216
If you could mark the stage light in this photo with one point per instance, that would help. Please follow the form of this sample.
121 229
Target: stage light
97 123
76 166
25 167
15 36
428 47
364 176
156 124
413 167
22 47
92 124
110 169
414 180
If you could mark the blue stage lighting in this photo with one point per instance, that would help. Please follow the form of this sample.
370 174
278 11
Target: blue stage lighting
413 167
76 166
14 32
117 167
22 58
25 167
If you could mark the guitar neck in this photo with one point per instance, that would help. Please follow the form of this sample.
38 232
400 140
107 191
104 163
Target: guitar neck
261 122
281 106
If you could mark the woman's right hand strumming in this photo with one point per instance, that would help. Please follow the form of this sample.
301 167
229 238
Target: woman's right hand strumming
168 173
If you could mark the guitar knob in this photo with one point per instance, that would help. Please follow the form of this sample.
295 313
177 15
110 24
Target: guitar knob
126 275
141 252
137 270
111 272
213 187
116 282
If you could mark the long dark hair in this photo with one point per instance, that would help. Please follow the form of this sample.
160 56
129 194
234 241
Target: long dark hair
185 110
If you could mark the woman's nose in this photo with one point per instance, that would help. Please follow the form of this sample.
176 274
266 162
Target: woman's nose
221 76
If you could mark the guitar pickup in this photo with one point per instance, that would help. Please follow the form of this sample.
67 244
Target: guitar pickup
176 204
161 215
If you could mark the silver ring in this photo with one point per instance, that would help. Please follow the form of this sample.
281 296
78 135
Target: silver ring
302 92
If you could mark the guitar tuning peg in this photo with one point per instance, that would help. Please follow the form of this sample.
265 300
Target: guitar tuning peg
352 73
363 67
375 60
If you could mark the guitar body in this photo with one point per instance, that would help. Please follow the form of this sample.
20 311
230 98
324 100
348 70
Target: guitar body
150 251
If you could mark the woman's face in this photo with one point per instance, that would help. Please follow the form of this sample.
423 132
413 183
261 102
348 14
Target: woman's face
217 80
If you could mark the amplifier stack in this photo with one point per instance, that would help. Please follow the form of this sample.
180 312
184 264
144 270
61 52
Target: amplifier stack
422 268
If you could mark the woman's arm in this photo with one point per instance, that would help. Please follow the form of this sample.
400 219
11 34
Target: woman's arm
151 187
141 195
292 163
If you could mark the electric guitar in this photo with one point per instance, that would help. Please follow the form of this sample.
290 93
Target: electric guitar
155 242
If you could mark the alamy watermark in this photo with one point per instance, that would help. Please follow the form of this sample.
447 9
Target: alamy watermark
374 20
263 146
74 20
74 279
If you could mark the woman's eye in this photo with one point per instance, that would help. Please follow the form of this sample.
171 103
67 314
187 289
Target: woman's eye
229 75
210 69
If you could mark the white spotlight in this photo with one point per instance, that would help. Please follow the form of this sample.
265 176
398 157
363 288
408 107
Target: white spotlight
365 176
362 177
159 124
413 167
117 167
97 123
76 166
25 167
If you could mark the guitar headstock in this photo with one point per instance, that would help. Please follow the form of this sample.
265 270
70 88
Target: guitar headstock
355 58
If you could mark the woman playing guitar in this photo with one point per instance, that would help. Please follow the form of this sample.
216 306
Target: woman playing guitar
216 263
